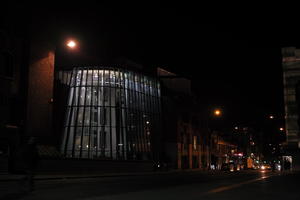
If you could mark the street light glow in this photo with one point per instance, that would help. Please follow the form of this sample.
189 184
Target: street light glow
281 129
71 44
217 112
271 117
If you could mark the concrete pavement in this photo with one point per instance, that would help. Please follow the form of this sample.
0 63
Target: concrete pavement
4 177
170 185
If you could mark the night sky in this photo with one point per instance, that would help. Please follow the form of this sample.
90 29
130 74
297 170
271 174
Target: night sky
232 57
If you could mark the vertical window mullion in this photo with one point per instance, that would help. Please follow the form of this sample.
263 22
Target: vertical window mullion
121 112
150 111
133 106
123 108
117 132
147 108
84 109
97 107
117 123
76 116
140 111
91 147
157 110
131 110
129 121
137 114
102 108
145 131
110 125
71 111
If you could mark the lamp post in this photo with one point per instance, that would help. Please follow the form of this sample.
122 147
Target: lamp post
64 50
61 50
217 113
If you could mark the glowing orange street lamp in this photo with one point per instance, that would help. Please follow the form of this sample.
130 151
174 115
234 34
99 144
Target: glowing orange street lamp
71 44
217 112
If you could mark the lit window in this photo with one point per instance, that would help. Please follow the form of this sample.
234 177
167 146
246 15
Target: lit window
104 117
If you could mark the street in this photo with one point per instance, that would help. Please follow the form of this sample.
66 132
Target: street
179 185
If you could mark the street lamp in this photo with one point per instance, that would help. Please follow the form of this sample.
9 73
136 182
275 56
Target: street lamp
217 112
71 44
64 54
214 133
64 50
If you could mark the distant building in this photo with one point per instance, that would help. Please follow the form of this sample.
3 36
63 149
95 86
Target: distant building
222 151
291 78
186 139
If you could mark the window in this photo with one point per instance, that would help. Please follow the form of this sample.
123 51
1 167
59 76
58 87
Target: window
106 94
195 142
103 116
102 139
108 118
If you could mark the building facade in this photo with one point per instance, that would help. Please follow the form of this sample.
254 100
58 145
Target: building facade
13 84
185 134
291 78
222 151
93 112
109 113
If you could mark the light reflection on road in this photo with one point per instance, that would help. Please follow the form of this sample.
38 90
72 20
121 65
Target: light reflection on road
229 187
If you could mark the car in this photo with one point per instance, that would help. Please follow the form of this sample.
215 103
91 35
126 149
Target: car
278 166
265 167
256 166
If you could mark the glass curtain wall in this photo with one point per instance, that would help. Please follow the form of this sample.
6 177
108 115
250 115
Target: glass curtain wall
111 113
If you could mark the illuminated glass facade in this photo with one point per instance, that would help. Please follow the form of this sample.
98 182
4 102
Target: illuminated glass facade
110 113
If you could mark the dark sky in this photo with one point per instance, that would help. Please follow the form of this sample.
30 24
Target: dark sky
232 57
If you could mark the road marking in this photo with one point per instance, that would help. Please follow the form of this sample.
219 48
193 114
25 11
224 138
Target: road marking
224 188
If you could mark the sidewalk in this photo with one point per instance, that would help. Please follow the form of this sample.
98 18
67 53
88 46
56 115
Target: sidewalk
15 177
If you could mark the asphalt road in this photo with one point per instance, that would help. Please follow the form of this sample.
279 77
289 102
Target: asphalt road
192 185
